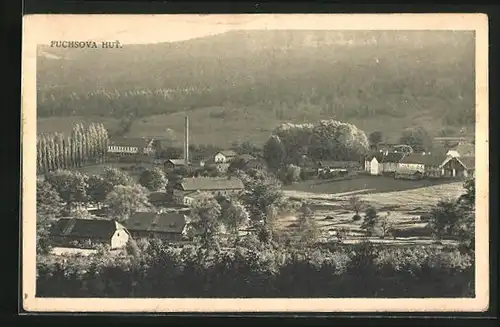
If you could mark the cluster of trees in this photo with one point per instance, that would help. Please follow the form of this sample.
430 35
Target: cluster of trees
64 192
154 269
326 140
86 144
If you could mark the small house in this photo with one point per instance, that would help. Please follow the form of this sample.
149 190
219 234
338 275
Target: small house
390 161
224 156
74 232
159 199
432 166
131 146
188 187
463 149
171 164
373 163
246 161
165 226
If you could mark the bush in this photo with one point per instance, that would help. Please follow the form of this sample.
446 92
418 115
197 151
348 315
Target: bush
356 218
258 270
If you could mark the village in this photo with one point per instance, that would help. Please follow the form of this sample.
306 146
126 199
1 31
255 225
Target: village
169 220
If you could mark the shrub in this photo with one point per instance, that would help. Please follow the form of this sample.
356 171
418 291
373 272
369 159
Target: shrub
356 218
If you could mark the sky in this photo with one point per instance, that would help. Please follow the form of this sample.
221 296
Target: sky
140 29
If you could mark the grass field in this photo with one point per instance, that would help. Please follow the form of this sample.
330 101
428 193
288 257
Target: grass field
402 202
222 126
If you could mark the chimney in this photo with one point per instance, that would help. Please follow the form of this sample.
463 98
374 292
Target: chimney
186 141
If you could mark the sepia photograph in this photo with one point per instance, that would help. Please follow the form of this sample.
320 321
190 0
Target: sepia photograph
252 162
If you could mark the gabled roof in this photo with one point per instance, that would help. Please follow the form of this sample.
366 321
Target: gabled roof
427 159
228 153
337 164
208 184
158 197
245 157
154 222
393 157
126 141
378 155
91 228
176 162
469 162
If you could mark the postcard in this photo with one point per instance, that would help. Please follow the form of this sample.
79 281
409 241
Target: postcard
255 163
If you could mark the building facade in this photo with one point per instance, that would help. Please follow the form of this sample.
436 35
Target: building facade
189 188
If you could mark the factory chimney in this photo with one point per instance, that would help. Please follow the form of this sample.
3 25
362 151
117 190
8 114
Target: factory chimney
186 141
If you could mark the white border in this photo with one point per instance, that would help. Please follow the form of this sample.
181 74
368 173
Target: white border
40 28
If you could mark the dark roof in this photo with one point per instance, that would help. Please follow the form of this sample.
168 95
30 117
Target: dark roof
337 164
469 162
154 222
378 155
228 153
245 157
158 197
176 162
125 141
393 157
91 228
207 183
427 159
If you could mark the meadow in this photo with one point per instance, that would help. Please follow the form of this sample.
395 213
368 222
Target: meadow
402 202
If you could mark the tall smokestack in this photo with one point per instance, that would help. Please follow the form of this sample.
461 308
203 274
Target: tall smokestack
186 141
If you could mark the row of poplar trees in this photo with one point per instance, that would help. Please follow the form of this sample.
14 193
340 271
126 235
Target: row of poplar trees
85 145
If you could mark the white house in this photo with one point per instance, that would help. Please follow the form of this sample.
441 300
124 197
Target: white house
131 146
224 156
69 231
373 164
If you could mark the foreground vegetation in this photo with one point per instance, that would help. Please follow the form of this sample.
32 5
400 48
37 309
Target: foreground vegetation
255 270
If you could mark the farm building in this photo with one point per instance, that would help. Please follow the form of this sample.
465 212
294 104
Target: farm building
74 232
165 226
390 161
189 187
224 156
158 199
470 164
171 164
433 166
131 146
373 163
247 161
330 166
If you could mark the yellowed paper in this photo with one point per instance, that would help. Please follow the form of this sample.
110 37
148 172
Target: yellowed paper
117 32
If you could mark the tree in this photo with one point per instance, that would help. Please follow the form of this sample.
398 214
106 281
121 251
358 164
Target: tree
375 138
274 152
261 196
153 179
418 139
48 202
205 218
70 185
385 226
290 174
370 220
308 228
98 189
356 204
117 177
124 200
445 218
234 215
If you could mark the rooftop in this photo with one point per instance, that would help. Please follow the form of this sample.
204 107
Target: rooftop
207 183
91 228
157 222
